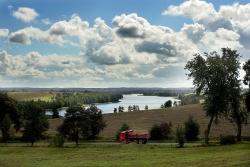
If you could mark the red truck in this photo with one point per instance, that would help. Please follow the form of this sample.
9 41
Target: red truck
130 136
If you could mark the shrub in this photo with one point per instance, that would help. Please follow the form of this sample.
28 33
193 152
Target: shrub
168 104
180 136
192 130
229 139
122 128
57 141
161 132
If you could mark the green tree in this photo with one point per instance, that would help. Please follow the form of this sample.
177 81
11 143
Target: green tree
8 115
5 126
237 112
97 123
168 104
246 81
192 130
210 78
79 122
246 68
75 123
180 136
35 122
161 132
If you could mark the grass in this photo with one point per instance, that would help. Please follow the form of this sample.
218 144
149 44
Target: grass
132 155
25 96
144 120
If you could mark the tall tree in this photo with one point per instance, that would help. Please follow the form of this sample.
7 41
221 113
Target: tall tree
96 122
80 122
246 81
8 115
246 68
237 113
35 122
76 121
209 77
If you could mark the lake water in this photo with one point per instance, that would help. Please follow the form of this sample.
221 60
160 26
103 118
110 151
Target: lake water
153 102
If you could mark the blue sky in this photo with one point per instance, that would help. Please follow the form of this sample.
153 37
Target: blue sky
149 12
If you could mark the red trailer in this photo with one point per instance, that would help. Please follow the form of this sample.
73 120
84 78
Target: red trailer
130 136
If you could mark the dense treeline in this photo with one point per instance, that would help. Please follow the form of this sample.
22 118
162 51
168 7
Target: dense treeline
70 99
190 99
29 118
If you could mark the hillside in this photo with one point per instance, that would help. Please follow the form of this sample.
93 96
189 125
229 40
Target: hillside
143 121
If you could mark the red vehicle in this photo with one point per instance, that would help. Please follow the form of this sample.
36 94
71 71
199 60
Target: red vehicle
130 136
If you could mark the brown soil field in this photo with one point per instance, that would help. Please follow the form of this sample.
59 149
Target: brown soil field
144 120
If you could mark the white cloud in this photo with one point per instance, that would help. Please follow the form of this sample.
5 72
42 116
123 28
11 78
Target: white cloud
196 9
25 14
229 17
26 35
131 50
194 32
214 41
4 32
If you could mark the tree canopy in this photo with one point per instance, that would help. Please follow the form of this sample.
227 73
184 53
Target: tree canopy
8 115
216 77
35 122
81 122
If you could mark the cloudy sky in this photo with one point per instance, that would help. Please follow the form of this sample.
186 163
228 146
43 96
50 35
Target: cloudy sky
114 43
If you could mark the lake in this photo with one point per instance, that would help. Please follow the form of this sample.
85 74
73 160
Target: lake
153 102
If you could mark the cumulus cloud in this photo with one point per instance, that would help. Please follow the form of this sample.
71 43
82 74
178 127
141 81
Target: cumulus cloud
25 14
72 27
4 32
220 39
26 35
230 17
196 9
131 49
194 32
130 25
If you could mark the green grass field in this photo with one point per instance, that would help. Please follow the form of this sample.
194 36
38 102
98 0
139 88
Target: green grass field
132 155
24 96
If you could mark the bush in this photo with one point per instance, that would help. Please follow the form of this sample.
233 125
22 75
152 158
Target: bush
122 128
192 130
168 104
161 132
57 141
180 136
229 139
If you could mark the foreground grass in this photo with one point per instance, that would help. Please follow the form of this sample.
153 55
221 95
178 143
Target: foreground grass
158 155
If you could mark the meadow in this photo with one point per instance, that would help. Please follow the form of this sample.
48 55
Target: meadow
144 120
25 96
132 155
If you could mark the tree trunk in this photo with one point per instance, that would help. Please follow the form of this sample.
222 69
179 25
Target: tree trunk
77 137
207 131
239 127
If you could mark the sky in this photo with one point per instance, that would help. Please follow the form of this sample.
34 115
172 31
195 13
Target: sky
114 43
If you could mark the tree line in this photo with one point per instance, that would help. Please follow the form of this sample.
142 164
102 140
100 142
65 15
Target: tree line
29 118
68 99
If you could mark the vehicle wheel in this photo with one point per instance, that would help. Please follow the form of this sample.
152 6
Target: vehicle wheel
144 141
